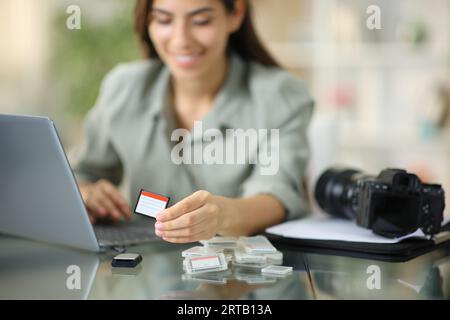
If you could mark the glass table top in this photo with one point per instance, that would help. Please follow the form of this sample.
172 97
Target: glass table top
33 270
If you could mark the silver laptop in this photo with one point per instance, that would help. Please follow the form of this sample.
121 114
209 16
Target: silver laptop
33 270
39 197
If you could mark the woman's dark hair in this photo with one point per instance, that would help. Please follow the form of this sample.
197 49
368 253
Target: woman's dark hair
244 41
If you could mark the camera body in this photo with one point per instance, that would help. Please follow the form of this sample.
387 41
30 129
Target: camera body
392 204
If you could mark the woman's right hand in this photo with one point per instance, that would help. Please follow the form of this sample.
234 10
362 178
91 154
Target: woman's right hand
103 200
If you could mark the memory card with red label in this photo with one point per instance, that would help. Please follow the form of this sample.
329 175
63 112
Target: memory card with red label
150 204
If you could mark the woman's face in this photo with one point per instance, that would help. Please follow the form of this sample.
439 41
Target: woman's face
191 36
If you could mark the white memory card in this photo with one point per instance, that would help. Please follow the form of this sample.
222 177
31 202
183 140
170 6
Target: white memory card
224 242
219 277
205 277
274 258
276 270
197 251
150 204
247 265
258 244
252 276
241 256
207 263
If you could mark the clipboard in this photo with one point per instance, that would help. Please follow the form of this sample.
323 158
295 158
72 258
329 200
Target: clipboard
375 248
397 252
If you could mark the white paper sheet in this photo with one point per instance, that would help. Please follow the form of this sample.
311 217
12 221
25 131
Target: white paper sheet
328 228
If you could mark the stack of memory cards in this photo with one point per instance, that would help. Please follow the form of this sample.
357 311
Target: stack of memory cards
206 263
256 252
214 256
211 261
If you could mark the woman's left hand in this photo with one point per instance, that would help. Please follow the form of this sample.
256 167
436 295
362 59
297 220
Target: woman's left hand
199 216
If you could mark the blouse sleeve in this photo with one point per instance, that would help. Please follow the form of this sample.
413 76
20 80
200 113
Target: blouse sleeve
294 110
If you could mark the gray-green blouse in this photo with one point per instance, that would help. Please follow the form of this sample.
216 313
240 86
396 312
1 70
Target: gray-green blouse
128 134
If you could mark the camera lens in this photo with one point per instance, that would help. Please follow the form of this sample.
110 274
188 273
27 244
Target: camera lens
334 192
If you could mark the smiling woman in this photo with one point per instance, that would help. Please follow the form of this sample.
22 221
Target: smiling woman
244 41
204 63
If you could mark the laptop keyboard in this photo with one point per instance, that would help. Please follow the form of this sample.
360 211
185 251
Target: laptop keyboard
108 235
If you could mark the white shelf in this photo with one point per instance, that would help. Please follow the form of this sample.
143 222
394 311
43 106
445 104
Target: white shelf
399 141
368 55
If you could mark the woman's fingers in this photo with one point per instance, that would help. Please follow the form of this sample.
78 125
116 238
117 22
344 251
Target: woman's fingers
189 231
94 207
105 202
116 197
102 201
205 235
188 204
186 220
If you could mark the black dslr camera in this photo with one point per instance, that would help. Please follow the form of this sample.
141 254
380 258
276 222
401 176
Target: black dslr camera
393 204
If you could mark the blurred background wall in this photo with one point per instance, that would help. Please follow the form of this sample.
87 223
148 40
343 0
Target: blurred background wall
382 96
